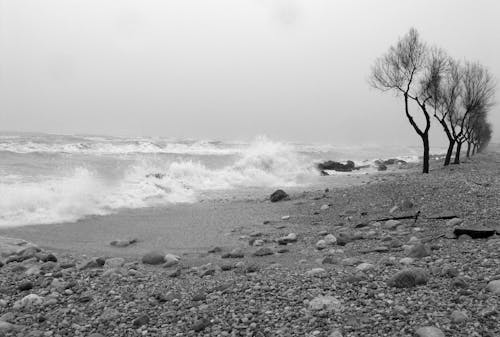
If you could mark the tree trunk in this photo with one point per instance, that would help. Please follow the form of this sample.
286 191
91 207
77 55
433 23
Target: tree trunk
468 149
457 154
425 141
474 149
451 145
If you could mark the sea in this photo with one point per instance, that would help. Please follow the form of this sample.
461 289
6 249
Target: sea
47 178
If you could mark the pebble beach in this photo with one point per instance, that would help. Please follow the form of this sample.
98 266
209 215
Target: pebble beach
401 254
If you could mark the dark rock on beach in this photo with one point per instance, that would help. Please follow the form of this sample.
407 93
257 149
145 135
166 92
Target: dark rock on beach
279 195
153 258
475 233
409 278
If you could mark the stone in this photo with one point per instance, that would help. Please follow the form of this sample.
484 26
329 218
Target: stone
109 314
381 167
365 266
285 217
475 233
458 316
419 251
215 249
330 239
326 303
391 224
123 243
329 260
454 222
28 301
171 260
429 331
140 321
264 251
115 262
236 253
95 335
258 243
324 207
335 333
290 238
321 244
409 278
6 327
90 264
25 285
494 286
315 272
153 258
406 261
279 195
200 325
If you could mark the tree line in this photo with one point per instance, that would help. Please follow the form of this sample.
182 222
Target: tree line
457 94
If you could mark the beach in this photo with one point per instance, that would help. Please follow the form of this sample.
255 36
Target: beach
222 283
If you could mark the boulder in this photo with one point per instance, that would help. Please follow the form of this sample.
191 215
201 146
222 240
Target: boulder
236 253
336 166
292 237
458 316
330 239
409 278
279 195
321 244
115 262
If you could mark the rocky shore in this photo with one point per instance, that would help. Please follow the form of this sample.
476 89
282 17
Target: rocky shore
405 255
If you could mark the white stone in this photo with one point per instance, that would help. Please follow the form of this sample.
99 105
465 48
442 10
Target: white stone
28 301
324 207
391 224
406 261
321 244
315 271
365 266
429 331
328 303
330 239
494 286
285 217
115 262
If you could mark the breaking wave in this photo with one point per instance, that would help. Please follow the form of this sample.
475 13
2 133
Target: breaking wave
145 182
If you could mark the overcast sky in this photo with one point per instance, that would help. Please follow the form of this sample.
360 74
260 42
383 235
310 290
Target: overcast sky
293 70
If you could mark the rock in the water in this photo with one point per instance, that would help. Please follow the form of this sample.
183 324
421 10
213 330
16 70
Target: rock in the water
327 303
336 166
429 331
263 251
153 258
140 321
279 195
28 301
494 286
409 278
419 251
458 316
475 233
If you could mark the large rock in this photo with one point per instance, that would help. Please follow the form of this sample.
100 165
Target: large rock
336 166
475 233
279 195
115 262
327 303
292 237
429 331
263 251
409 278
153 258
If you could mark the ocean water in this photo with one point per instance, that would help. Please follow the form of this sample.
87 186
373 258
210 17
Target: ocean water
60 178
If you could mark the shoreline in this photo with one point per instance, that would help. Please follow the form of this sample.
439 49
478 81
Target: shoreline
345 288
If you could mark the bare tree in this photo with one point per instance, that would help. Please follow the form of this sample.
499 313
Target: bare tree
400 70
476 98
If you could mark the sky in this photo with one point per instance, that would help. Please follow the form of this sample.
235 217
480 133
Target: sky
290 69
